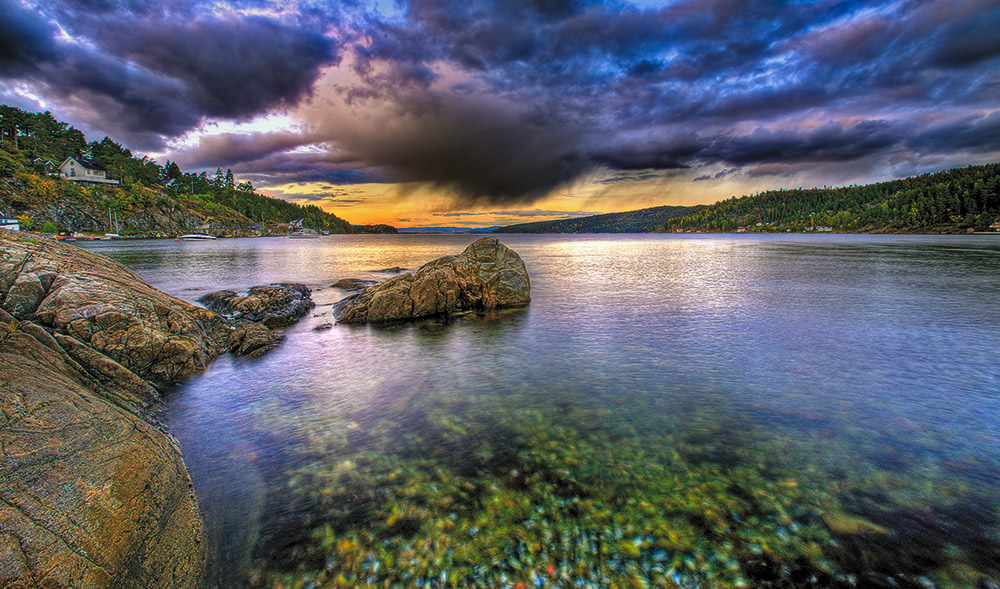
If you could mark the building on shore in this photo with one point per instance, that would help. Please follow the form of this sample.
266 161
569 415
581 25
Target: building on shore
81 169
10 223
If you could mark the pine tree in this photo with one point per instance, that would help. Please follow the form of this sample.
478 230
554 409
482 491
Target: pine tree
171 171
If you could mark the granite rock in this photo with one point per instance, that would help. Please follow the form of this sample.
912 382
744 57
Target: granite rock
93 493
487 275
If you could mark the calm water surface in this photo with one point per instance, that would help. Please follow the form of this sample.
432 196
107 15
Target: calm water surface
693 411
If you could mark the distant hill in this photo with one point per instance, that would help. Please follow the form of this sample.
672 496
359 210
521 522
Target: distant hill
639 221
379 228
474 230
952 201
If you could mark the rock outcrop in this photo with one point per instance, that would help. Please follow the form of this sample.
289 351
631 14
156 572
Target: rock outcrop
487 275
274 305
92 492
104 306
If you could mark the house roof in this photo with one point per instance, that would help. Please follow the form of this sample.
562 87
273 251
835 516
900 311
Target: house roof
88 163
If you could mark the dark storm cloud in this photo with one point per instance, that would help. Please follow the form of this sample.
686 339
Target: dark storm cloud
228 149
660 153
978 134
287 168
478 150
230 68
147 71
129 99
503 101
831 142
687 66
25 41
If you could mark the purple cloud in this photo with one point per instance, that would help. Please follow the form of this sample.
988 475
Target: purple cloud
503 102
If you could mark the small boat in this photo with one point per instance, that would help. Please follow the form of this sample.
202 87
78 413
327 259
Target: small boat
112 236
303 234
9 222
196 237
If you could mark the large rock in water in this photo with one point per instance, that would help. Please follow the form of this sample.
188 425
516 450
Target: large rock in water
487 275
274 305
92 492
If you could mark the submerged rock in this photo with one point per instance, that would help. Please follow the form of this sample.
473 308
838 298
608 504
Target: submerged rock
487 275
253 339
92 492
353 283
274 305
851 525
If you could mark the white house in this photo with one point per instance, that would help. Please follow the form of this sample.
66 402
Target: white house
9 223
80 169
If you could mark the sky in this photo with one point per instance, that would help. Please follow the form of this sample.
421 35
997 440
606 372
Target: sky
490 112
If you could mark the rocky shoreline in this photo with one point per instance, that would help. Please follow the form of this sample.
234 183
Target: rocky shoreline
93 492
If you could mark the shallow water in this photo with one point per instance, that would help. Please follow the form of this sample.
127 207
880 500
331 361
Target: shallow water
673 410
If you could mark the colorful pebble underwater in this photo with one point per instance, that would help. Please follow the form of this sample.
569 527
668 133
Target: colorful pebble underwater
537 489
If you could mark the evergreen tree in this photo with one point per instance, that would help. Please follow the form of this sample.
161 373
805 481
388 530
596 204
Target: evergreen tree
171 171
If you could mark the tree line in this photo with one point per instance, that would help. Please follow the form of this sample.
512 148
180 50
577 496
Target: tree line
950 201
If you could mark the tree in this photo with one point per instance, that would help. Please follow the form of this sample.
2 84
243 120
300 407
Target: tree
171 171
11 121
230 180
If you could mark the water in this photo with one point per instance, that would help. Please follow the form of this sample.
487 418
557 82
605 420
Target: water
714 411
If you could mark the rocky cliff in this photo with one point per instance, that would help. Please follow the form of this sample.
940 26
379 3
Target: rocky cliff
487 275
92 492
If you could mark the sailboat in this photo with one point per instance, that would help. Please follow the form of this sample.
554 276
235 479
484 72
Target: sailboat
115 234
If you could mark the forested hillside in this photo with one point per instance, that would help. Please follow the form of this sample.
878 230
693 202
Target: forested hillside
640 221
951 201
28 140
